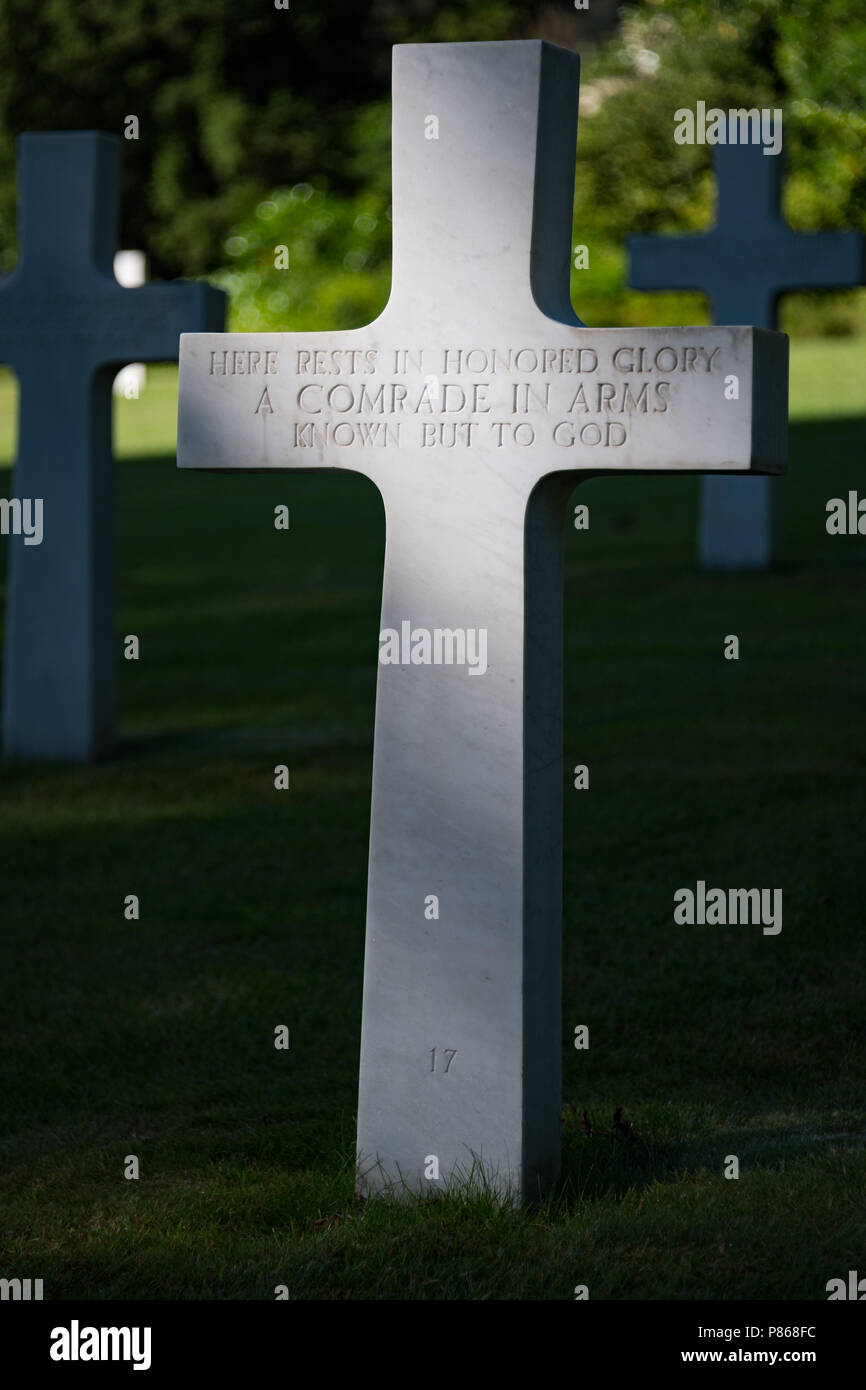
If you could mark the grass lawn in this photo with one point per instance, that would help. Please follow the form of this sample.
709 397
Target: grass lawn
154 1037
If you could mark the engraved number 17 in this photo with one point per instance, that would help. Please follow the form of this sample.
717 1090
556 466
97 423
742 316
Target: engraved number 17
450 1053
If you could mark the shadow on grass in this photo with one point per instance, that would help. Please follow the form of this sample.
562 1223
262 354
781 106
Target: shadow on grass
601 1165
252 909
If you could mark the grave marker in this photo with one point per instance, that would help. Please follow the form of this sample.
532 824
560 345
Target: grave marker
744 264
65 327
475 403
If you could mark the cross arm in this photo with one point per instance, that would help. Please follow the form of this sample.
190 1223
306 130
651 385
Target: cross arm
825 260
670 262
278 400
745 272
691 400
779 258
147 322
105 325
555 399
739 274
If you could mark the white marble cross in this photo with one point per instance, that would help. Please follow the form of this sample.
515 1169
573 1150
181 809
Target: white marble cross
475 402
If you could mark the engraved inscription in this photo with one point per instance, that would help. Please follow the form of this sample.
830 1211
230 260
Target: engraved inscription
449 1053
378 435
336 362
243 362
510 398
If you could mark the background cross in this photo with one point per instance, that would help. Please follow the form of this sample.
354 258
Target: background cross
65 327
744 264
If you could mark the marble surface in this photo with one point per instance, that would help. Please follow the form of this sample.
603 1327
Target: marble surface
476 402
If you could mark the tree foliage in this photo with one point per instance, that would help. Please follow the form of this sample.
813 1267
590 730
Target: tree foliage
631 175
311 259
807 58
234 97
263 127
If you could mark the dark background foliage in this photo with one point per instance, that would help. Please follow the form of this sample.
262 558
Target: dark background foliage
232 98
240 104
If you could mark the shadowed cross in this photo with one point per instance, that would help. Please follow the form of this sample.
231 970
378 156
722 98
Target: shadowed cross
65 327
748 260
